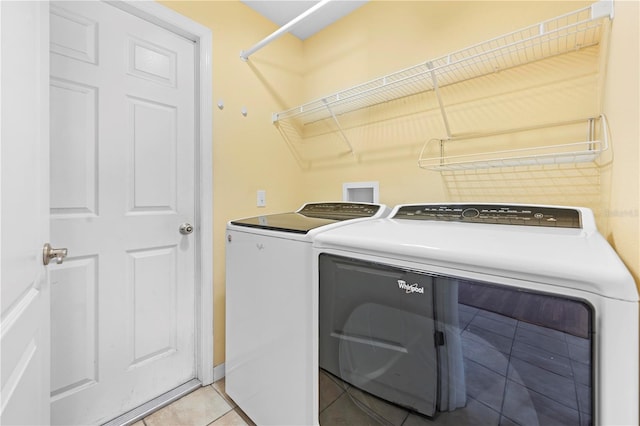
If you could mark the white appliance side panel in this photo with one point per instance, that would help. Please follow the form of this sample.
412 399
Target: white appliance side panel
617 363
268 328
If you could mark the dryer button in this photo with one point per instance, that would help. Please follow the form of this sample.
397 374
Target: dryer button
470 213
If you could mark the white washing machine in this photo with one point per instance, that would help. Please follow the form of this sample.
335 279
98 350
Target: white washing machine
270 314
482 314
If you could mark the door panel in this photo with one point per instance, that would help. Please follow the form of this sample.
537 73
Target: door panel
152 275
75 354
23 365
73 35
74 189
152 62
24 169
153 185
122 102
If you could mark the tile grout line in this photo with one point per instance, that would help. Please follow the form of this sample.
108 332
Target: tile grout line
225 399
234 407
506 377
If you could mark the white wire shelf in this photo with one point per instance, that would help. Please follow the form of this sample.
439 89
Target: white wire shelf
566 33
571 152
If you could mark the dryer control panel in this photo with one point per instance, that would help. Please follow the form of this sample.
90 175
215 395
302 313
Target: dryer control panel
339 211
497 214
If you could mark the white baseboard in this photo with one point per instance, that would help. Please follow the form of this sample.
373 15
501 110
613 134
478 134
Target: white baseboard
218 372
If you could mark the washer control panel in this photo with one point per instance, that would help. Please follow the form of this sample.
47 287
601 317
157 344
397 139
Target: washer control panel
493 214
338 210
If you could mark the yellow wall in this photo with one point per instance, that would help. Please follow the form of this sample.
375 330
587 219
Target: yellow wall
621 101
383 37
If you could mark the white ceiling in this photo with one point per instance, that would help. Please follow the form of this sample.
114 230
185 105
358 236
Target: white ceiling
281 12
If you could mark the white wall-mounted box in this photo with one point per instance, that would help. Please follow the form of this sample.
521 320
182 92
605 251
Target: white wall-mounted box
366 192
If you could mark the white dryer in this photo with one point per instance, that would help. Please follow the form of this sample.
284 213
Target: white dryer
271 344
482 314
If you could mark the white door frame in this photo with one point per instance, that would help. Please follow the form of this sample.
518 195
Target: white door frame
201 35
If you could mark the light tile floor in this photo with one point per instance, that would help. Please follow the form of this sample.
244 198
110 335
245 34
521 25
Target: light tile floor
207 406
516 373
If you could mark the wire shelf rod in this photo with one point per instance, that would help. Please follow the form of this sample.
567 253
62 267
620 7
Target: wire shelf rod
469 162
244 55
460 137
560 153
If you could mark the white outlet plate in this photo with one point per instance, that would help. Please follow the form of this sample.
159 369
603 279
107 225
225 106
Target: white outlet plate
261 200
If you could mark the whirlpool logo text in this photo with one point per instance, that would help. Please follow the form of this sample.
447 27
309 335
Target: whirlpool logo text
413 288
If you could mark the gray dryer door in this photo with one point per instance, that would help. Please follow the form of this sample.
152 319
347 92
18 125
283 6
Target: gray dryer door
377 330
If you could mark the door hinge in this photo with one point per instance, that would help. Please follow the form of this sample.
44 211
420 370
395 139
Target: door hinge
439 338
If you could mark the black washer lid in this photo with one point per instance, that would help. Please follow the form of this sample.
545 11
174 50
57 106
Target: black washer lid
310 216
284 222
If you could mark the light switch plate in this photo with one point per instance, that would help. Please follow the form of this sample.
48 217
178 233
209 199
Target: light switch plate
261 200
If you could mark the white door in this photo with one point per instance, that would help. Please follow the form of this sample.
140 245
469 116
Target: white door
122 182
24 175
